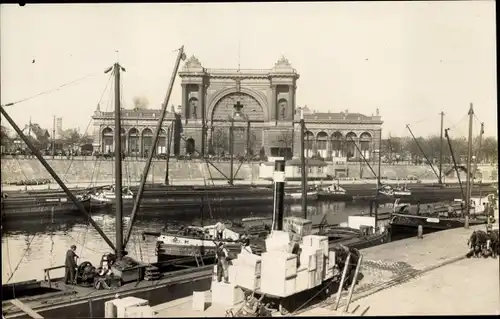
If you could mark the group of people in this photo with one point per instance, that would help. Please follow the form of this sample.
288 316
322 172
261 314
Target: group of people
484 243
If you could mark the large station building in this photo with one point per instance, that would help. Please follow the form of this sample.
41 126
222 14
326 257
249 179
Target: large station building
259 105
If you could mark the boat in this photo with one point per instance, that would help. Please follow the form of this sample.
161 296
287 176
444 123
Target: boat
200 241
45 206
396 191
443 215
108 194
296 195
53 298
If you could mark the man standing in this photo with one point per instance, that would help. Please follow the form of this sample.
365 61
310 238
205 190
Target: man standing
222 255
219 230
70 266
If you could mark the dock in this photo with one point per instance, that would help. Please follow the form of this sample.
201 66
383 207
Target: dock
428 276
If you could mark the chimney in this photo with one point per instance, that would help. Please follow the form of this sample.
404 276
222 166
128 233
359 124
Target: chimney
279 194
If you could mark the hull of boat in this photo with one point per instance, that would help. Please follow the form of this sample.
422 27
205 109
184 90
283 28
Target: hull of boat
351 238
50 208
196 201
298 196
89 303
400 222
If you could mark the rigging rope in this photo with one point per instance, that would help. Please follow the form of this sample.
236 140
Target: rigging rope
52 90
87 128
21 260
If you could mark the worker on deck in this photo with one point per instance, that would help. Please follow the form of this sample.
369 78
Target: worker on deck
219 230
246 245
222 256
70 265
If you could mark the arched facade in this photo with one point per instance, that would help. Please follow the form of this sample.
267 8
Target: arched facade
268 125
266 97
107 145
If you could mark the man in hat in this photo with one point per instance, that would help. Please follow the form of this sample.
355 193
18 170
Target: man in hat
70 265
221 256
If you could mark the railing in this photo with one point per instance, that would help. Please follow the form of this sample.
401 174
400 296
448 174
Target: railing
46 273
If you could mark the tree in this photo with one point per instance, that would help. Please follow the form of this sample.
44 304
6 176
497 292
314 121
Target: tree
140 103
5 138
285 140
252 141
489 150
70 137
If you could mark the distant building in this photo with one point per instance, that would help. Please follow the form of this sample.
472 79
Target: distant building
59 128
269 122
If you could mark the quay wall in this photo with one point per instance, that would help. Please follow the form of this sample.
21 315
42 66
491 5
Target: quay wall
89 169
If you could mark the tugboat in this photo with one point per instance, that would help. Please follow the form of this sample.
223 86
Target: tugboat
397 191
333 192
107 194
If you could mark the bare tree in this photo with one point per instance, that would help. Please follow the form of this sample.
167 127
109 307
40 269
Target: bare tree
286 142
252 141
5 138
220 140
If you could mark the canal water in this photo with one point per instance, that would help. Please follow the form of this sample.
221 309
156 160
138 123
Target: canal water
30 246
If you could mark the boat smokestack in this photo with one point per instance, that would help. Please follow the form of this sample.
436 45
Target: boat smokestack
279 194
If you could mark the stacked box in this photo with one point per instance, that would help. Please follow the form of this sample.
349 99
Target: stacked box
313 279
249 260
302 281
140 312
279 272
226 294
232 273
318 242
247 268
199 300
278 241
246 277
308 257
297 225
123 304
320 263
332 258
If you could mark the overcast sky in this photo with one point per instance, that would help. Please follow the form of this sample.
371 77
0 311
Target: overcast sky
409 59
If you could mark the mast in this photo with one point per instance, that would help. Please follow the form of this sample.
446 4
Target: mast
477 152
231 151
118 165
454 162
469 159
303 164
441 151
170 133
378 176
54 137
137 202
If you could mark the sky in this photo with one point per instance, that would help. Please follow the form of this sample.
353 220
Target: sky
411 60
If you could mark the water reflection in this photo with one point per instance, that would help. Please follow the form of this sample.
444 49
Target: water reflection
31 246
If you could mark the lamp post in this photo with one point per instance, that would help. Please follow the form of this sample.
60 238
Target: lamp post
237 114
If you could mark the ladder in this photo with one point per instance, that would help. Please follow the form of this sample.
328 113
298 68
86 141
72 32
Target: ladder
199 259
